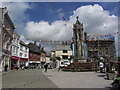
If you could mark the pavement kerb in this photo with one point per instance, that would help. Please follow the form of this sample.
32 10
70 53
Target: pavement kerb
3 72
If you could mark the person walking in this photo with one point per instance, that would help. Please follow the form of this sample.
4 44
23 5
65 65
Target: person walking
101 66
46 66
59 68
6 67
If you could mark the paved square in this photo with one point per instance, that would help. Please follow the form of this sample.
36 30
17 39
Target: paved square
77 79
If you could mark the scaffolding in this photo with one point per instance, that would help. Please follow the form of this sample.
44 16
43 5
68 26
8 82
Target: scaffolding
101 46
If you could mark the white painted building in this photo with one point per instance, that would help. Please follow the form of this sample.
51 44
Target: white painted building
62 51
23 54
15 50
15 44
47 59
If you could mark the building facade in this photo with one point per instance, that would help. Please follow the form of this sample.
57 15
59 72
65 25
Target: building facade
43 58
62 51
101 46
23 54
7 29
15 50
48 59
34 54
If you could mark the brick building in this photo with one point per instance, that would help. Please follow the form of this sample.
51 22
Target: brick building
34 54
42 58
7 29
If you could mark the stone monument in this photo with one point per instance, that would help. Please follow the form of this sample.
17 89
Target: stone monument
78 39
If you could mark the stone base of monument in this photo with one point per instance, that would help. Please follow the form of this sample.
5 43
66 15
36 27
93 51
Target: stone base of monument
79 60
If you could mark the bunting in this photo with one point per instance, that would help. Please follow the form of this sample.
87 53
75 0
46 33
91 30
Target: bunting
56 42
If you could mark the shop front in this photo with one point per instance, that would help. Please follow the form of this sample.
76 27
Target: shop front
17 62
34 63
42 64
23 62
14 62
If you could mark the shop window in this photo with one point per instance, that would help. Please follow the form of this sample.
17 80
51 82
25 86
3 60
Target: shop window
21 54
13 49
25 49
16 50
25 55
21 47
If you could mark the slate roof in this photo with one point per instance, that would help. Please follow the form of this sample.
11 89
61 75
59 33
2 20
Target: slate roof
61 47
22 43
34 48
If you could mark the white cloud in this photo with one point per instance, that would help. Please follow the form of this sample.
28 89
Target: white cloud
45 31
17 12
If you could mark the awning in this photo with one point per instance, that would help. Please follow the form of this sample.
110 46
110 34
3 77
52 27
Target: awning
23 59
34 62
15 58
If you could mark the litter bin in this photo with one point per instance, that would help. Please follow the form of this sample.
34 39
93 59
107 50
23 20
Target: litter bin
118 68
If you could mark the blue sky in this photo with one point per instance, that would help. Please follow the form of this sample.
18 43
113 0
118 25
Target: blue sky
48 10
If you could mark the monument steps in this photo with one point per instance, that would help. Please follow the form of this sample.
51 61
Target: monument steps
80 67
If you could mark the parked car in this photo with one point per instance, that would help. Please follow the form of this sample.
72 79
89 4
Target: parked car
63 65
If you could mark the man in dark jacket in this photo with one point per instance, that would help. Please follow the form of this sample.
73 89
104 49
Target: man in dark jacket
6 67
46 66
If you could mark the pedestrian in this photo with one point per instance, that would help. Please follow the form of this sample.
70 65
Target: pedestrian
59 69
107 67
12 66
46 66
6 67
17 66
23 67
101 65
